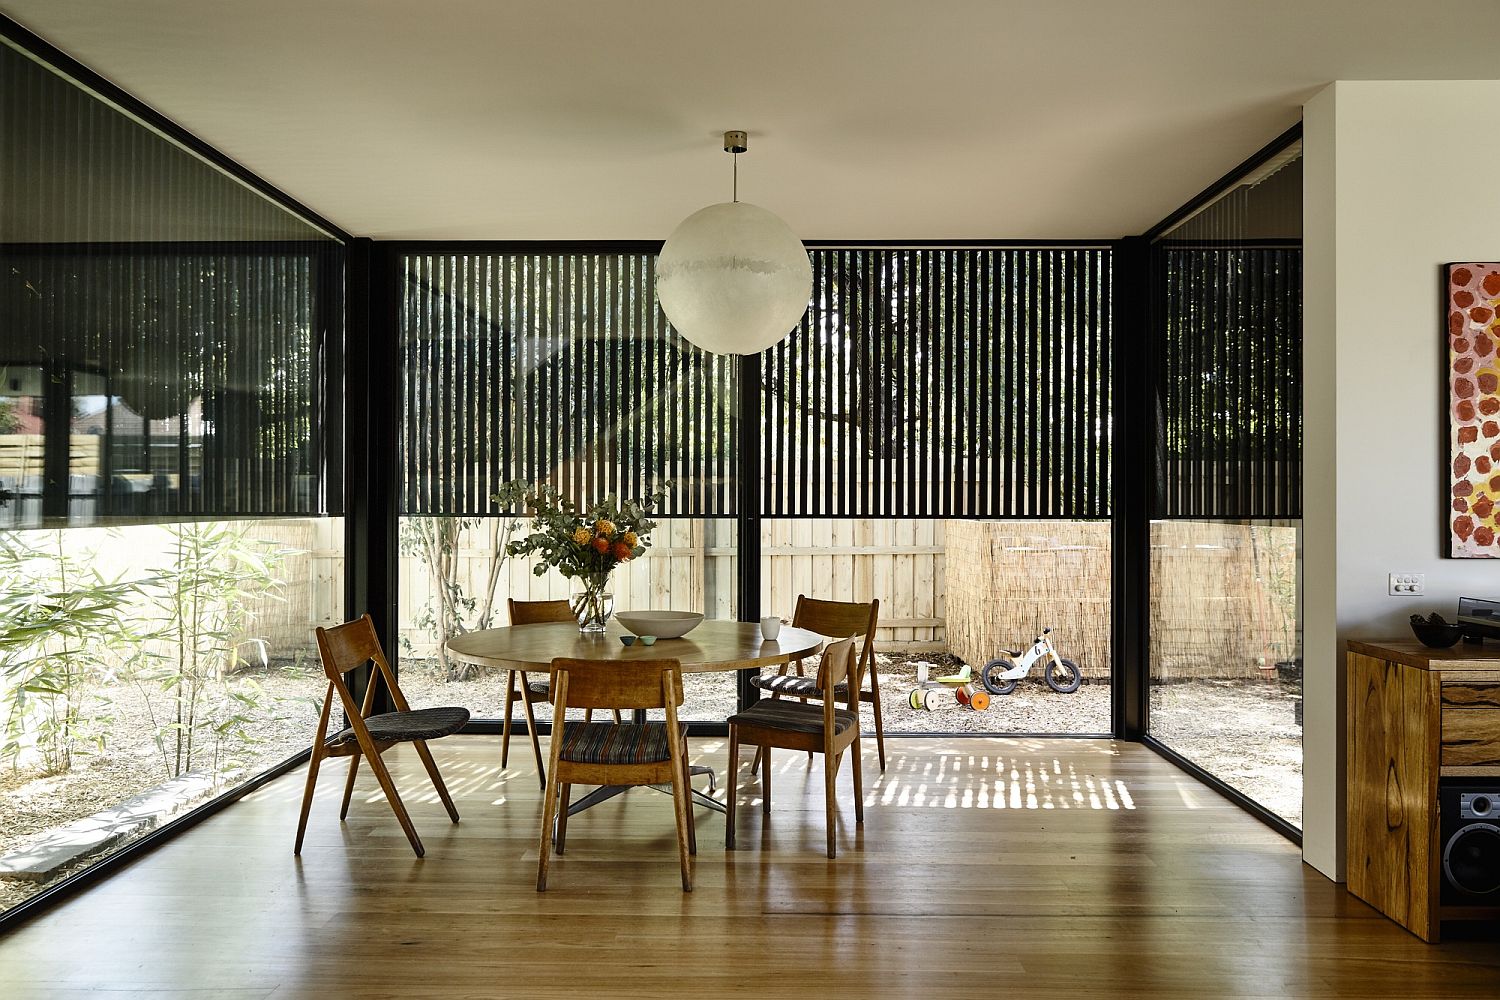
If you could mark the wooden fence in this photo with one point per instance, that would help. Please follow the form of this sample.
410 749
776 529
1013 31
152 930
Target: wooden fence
1223 595
1223 600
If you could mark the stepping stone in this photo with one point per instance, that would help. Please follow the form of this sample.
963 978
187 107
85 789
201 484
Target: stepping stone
43 858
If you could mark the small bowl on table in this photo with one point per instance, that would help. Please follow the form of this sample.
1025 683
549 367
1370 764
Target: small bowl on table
1435 634
661 624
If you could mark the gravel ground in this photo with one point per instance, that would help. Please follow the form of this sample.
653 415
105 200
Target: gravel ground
1245 732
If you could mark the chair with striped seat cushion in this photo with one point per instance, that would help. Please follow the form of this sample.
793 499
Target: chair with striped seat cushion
838 620
598 753
353 646
796 716
800 725
607 743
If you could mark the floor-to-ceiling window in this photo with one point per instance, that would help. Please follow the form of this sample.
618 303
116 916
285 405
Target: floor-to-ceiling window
558 367
936 407
1226 537
168 477
936 436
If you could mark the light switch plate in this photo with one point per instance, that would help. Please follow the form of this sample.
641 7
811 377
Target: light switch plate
1407 584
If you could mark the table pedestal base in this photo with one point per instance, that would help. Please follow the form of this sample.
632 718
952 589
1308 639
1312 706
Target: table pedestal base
606 792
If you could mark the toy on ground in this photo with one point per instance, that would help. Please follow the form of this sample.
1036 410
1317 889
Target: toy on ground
928 698
1001 674
971 697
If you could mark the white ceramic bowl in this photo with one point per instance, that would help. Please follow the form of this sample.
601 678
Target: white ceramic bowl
662 624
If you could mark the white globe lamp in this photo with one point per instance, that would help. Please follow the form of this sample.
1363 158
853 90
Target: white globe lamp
733 278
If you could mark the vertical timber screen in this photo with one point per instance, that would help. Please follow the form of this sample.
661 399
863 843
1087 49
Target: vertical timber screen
944 382
558 367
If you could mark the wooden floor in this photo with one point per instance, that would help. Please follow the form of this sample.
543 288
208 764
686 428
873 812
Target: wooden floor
1027 868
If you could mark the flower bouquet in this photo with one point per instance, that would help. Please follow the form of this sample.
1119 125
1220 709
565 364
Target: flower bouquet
585 546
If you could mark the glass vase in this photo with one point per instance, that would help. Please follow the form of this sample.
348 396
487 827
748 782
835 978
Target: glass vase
592 602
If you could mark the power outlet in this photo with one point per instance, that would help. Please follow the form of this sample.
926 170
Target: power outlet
1407 584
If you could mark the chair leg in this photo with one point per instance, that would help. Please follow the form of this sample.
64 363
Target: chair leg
536 744
549 816
680 812
562 818
830 777
397 806
349 787
879 724
437 779
765 781
510 701
859 791
307 796
687 785
617 716
734 787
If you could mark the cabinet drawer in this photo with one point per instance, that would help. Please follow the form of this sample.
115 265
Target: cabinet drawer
1476 689
1471 737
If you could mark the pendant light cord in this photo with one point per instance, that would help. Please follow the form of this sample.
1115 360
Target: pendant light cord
736 177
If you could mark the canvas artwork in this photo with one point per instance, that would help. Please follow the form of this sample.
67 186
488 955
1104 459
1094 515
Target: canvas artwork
1474 409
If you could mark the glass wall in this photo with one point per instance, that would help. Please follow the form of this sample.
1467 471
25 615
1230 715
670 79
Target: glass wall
1226 551
169 477
455 577
955 596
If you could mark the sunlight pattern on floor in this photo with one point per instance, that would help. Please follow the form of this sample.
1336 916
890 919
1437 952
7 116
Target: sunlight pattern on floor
995 781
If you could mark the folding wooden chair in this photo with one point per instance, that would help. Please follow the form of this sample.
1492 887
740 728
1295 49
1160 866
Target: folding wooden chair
348 647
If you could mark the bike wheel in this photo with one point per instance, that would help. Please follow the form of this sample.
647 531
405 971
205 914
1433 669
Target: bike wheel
1064 679
990 677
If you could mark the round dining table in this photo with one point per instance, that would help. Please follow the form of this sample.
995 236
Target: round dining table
713 646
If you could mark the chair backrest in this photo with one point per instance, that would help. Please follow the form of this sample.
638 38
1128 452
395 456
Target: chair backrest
840 620
539 612
348 647
616 684
837 664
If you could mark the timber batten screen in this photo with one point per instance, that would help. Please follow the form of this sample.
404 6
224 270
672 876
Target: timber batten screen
558 367
932 382
1230 376
943 382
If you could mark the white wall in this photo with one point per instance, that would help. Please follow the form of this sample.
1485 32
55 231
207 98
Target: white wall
1399 178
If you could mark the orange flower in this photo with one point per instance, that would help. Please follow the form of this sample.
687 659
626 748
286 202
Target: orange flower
605 529
630 539
620 551
601 544
583 536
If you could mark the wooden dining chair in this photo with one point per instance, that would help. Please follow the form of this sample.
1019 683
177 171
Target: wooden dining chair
800 725
529 690
837 620
348 647
602 753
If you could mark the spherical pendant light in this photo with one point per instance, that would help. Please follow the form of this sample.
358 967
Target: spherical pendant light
733 278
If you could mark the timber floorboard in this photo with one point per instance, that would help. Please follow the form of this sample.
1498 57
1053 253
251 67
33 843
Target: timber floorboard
986 867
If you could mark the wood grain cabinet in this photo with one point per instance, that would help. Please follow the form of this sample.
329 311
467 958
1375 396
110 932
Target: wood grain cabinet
1415 716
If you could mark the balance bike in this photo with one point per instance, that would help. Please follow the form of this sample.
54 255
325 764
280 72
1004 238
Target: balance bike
1062 675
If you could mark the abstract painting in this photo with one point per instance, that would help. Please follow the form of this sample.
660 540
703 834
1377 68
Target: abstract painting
1474 409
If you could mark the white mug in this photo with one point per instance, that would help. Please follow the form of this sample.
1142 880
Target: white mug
770 627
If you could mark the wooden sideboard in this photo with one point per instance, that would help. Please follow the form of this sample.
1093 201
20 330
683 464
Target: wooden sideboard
1414 715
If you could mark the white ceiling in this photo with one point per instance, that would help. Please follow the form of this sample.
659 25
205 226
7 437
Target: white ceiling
869 119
